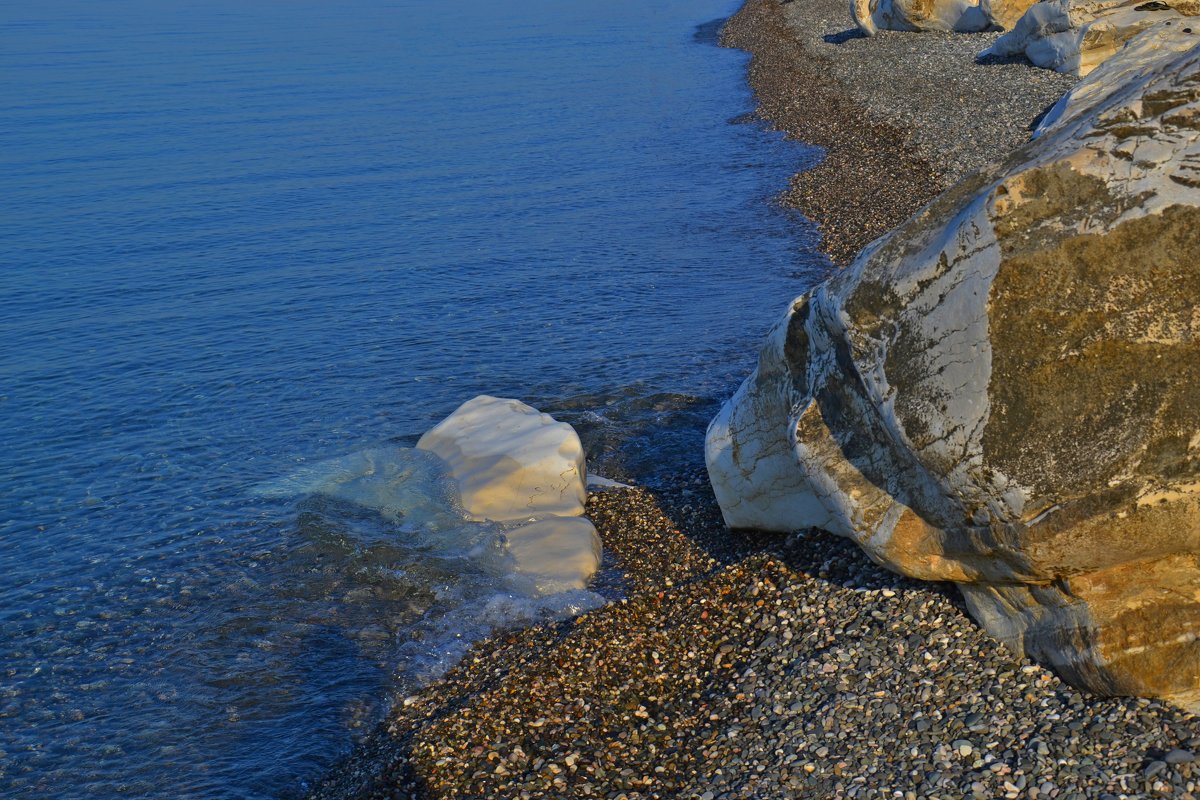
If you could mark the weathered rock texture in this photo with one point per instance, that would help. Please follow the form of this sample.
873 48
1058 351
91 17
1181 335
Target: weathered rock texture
1005 393
1076 36
510 461
1004 14
1140 56
960 16
872 16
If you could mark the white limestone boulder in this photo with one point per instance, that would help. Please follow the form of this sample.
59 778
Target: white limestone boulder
963 16
556 554
1076 36
1004 392
510 461
1140 55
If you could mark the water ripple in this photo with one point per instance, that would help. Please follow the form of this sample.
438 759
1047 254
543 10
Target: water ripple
239 238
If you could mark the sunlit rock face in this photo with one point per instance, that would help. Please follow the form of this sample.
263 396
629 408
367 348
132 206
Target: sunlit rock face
872 16
1076 36
1003 14
557 553
510 461
962 16
1146 52
1005 392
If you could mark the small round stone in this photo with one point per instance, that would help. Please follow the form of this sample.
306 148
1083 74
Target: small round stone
1179 756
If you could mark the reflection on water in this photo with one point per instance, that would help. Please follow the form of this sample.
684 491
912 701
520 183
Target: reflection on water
241 239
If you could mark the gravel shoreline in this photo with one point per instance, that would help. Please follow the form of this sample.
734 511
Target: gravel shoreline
755 666
743 665
900 116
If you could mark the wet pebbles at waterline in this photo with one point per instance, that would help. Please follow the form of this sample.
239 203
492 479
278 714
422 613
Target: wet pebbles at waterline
742 667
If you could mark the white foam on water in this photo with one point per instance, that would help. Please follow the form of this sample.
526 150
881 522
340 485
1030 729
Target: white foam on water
416 533
445 639
401 483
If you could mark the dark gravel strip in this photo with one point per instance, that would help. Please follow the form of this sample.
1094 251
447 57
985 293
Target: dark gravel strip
869 180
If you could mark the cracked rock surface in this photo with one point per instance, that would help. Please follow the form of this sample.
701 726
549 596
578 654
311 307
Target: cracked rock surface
1005 393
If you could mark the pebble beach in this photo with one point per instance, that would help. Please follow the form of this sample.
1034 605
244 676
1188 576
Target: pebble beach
900 116
744 665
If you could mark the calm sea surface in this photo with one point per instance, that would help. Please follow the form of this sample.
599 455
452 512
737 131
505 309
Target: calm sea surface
239 238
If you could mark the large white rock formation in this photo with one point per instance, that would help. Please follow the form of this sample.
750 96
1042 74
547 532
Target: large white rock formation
961 16
1004 392
1141 55
1076 36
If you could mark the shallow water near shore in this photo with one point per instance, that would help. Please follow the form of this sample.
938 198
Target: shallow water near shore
239 240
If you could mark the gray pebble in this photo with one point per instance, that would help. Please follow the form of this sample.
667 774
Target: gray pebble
1179 756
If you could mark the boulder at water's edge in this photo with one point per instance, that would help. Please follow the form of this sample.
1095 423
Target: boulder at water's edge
510 461
513 463
1004 392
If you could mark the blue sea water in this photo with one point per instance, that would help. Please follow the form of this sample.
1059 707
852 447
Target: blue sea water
239 238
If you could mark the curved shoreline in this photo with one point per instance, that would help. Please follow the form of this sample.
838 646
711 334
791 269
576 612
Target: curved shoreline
868 180
746 665
900 116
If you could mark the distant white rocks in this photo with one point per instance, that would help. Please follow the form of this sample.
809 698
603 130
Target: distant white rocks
1076 36
963 16
1068 36
959 16
1003 14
